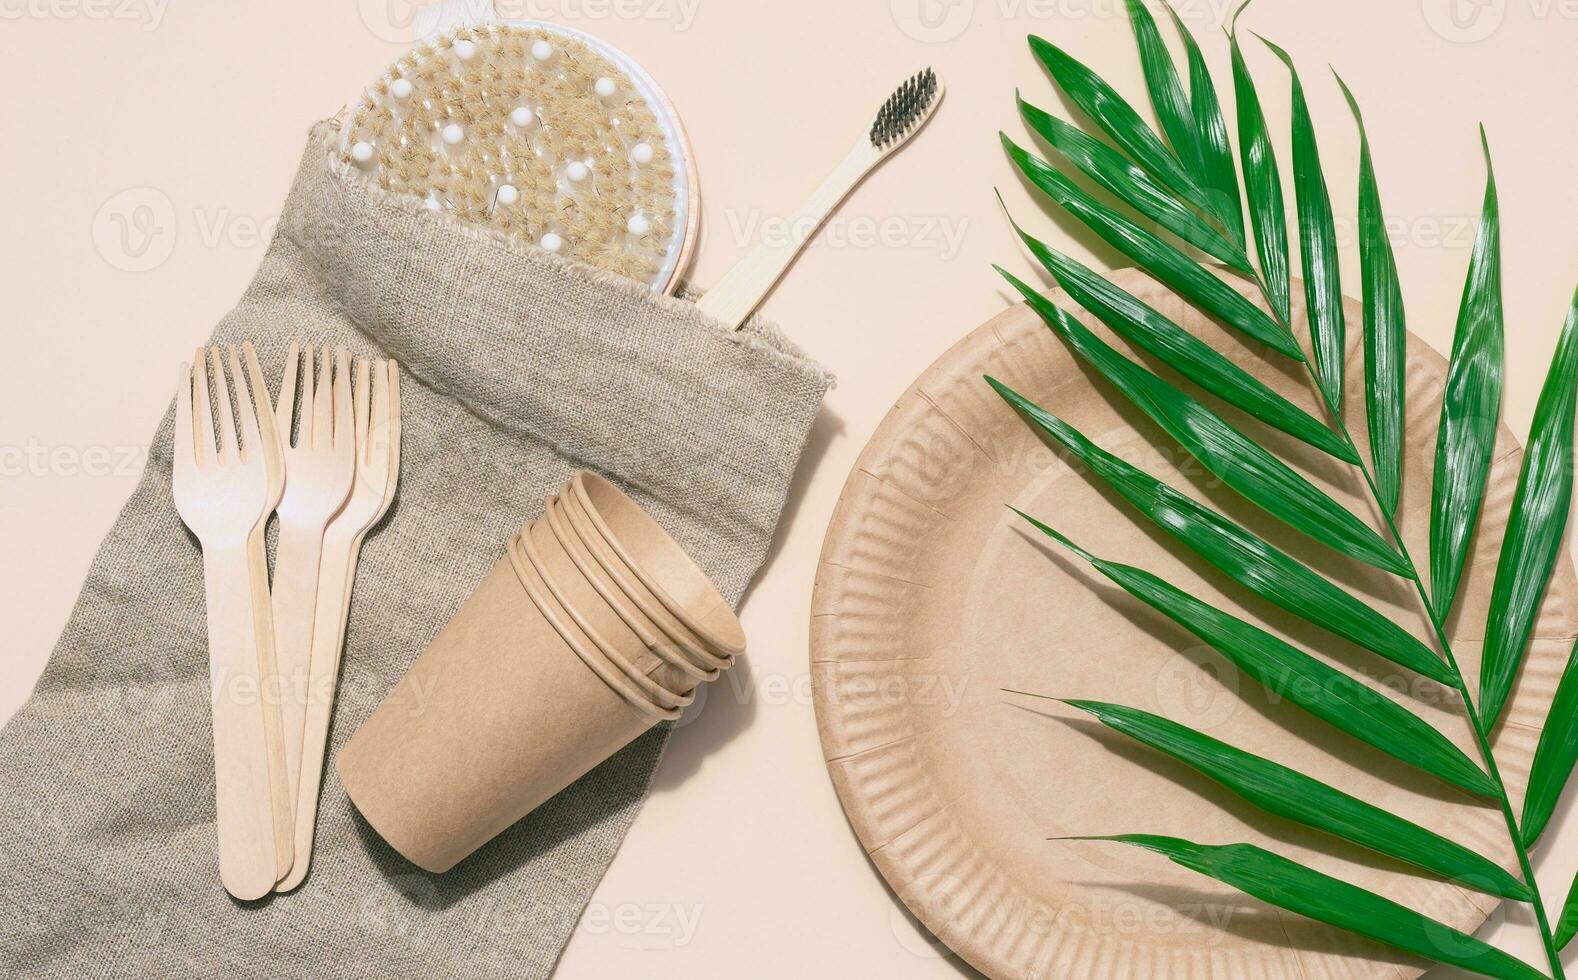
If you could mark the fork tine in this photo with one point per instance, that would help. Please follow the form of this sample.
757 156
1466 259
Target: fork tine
267 423
379 442
392 425
229 447
362 401
251 435
323 403
344 405
285 406
184 441
204 434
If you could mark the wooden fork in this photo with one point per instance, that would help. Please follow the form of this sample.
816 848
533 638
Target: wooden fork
377 401
222 494
263 613
320 469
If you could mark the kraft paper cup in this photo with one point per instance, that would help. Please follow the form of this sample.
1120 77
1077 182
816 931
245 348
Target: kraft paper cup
654 572
535 681
650 634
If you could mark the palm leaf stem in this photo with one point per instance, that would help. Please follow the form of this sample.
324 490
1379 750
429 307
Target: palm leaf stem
1476 722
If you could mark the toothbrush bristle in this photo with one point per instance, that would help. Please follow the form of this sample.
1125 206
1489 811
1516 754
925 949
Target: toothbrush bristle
905 108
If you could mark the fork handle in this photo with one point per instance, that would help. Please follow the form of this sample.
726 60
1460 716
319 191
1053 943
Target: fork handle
296 562
244 809
341 546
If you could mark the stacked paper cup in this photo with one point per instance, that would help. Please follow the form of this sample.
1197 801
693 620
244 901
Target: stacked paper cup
594 627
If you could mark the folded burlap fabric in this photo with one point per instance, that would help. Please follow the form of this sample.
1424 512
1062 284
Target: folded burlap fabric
519 369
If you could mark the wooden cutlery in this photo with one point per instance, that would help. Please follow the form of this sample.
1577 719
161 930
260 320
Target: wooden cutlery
320 467
223 491
377 403
275 654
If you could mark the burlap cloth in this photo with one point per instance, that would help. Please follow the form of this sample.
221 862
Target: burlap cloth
519 369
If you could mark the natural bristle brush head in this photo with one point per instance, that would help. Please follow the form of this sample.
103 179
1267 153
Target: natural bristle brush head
549 136
910 105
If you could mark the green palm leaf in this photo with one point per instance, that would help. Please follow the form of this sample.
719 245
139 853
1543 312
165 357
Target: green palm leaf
1534 531
1556 756
1294 796
1317 246
1567 925
1166 91
1181 350
1131 184
1232 457
1470 408
1116 117
1246 558
1162 260
1281 668
1385 337
1263 187
1307 892
1220 175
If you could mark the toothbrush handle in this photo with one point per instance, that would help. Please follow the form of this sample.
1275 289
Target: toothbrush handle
738 293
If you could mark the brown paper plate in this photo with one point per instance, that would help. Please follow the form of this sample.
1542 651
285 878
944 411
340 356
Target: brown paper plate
931 598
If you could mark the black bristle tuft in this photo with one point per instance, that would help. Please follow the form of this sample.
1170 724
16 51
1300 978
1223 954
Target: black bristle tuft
903 109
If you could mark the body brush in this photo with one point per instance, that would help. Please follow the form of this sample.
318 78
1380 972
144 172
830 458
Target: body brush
546 134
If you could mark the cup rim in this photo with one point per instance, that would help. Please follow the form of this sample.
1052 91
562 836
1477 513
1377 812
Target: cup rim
650 632
655 692
650 605
611 677
731 645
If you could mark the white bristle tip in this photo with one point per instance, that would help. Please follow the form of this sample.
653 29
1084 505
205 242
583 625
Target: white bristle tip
520 116
465 50
552 242
362 152
508 194
541 50
638 225
642 153
577 171
453 134
400 88
605 87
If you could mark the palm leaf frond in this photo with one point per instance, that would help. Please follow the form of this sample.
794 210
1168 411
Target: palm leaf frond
1534 531
1116 117
1249 560
1294 796
1263 188
1119 176
1160 258
1385 331
1166 90
1235 459
1470 407
1555 757
1185 353
1280 667
1567 925
1288 885
1317 246
1220 176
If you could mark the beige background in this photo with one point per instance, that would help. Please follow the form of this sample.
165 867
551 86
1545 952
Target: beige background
147 145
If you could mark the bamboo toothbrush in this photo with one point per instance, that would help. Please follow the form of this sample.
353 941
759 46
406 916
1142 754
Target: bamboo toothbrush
901 116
